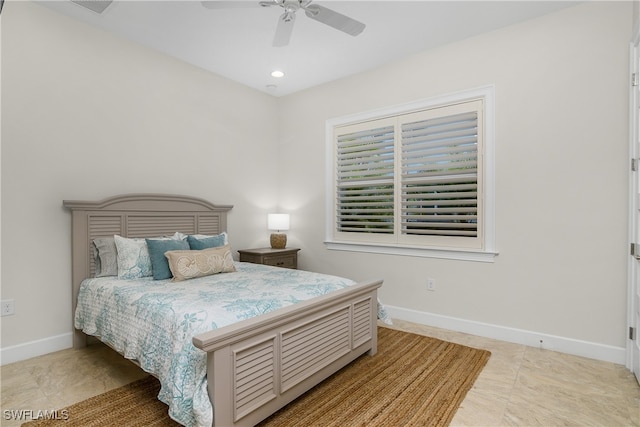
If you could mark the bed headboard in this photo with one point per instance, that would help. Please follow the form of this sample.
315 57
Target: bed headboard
135 215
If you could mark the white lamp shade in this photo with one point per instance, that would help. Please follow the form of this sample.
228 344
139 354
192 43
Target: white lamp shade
278 221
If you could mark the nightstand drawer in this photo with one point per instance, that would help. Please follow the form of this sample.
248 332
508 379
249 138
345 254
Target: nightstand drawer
285 258
285 261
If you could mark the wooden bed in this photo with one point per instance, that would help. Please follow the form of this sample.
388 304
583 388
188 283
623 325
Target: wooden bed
256 366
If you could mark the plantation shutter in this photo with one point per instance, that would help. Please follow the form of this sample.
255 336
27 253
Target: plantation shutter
413 179
365 178
440 179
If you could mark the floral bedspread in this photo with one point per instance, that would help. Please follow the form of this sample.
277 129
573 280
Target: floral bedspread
153 321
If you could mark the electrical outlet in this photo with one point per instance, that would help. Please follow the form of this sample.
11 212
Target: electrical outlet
431 284
7 307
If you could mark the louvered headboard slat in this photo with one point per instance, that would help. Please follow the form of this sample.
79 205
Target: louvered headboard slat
160 225
208 223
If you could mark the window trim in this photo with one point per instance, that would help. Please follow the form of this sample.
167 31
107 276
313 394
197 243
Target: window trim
488 253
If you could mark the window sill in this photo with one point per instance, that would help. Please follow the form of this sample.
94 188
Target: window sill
441 253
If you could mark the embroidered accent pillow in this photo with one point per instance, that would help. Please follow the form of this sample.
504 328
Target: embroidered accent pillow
133 258
186 265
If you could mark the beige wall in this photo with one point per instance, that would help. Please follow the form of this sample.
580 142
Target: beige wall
87 115
561 85
636 16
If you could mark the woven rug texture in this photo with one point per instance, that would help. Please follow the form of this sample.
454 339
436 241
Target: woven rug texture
413 380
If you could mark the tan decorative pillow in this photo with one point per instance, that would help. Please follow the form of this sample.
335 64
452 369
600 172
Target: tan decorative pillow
191 264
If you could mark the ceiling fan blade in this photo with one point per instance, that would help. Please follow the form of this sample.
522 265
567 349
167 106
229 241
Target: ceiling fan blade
334 19
284 29
237 4
267 3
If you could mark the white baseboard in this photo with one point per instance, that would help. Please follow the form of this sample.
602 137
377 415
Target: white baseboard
36 348
591 350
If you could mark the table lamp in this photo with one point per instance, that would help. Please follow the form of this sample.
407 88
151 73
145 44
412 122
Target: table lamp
278 222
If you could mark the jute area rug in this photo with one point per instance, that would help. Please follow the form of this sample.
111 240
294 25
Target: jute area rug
413 380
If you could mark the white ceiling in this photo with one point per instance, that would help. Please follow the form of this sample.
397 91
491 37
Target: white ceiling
236 42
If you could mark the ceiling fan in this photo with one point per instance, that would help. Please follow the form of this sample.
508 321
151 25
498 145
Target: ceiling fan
287 19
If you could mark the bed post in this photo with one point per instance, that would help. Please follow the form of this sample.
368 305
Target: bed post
80 268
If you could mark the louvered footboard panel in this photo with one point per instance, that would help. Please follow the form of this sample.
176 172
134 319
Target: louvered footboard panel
255 376
312 346
257 367
362 321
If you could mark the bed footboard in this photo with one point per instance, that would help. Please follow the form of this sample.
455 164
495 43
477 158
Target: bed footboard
257 366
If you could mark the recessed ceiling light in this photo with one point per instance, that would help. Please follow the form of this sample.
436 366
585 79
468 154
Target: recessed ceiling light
277 74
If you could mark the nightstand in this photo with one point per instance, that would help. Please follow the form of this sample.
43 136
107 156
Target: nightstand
286 258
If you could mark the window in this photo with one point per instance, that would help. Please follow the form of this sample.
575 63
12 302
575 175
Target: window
414 179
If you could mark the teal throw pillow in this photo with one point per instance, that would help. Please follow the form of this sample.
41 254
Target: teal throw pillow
159 263
200 243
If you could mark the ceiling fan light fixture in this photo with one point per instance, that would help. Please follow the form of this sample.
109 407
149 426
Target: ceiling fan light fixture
289 16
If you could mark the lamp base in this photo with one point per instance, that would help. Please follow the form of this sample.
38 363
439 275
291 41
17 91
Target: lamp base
278 241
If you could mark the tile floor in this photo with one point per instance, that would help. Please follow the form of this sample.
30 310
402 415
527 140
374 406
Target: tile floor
520 386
